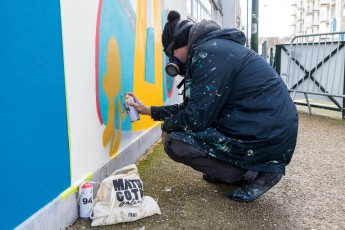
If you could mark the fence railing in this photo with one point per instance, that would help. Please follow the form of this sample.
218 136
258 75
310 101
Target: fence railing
312 67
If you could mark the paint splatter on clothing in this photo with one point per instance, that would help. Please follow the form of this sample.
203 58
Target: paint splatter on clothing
236 108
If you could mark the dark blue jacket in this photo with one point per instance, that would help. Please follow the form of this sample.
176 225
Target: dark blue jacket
236 107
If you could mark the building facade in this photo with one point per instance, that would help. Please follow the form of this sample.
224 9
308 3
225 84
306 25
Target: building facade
225 13
317 16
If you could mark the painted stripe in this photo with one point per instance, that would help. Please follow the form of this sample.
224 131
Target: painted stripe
151 94
158 60
67 111
65 194
96 60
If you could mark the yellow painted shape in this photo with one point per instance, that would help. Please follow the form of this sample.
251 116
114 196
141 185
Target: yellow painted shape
150 94
158 45
112 86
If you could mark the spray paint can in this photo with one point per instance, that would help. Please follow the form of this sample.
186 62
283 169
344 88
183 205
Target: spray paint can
85 200
133 114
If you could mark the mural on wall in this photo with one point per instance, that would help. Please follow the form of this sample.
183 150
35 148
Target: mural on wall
114 67
111 47
112 87
98 50
129 58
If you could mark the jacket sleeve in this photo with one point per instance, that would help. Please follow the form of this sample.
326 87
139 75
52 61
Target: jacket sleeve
212 79
160 113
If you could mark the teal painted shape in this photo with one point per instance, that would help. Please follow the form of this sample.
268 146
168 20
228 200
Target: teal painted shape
117 20
168 82
150 54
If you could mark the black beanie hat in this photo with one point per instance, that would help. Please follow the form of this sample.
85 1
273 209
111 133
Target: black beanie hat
182 38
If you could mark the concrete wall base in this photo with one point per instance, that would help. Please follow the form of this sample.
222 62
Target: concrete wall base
60 214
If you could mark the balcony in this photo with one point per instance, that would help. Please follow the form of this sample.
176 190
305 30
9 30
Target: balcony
300 19
316 9
324 20
324 24
310 11
309 27
316 28
315 23
324 2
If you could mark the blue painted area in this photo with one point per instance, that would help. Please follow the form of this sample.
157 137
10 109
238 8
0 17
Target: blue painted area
167 80
117 20
334 25
35 165
150 54
342 37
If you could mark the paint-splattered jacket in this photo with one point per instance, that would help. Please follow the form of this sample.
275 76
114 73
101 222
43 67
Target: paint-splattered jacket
236 108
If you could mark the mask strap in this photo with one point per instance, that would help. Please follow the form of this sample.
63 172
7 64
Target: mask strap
177 31
183 28
180 84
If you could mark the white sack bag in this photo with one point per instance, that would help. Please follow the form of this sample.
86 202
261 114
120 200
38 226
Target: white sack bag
120 198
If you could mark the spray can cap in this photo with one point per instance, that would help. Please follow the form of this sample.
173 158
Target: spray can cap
127 96
87 185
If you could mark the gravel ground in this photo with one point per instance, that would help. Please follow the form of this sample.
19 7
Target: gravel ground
310 196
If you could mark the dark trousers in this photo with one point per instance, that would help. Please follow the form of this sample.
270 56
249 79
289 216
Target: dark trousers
186 154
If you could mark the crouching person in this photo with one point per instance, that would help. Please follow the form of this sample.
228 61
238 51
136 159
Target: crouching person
237 121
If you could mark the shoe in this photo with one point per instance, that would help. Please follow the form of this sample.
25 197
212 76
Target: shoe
252 190
211 179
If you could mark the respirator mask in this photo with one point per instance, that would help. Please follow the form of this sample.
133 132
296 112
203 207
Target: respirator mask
175 66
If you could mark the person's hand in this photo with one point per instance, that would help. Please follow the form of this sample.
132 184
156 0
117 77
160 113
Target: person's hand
138 105
164 135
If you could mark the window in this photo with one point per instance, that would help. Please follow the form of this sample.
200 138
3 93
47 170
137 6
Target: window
333 13
189 7
200 9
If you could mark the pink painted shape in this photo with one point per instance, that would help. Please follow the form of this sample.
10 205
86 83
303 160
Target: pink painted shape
96 60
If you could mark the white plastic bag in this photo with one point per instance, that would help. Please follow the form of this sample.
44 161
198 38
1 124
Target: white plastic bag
120 199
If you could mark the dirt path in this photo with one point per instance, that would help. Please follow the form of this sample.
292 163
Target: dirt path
310 196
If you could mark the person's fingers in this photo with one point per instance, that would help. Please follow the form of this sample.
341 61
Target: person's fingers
138 105
130 94
136 99
130 103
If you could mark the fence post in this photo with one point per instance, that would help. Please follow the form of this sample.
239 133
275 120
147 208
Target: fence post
254 41
343 109
264 50
277 59
271 56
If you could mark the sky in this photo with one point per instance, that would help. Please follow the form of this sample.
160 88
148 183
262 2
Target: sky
274 17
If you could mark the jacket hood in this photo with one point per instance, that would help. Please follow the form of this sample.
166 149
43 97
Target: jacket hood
206 30
200 29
